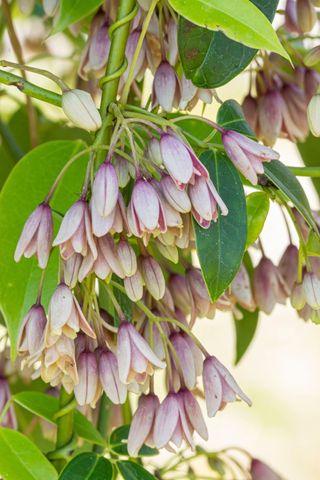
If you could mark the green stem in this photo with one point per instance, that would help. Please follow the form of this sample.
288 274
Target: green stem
313 172
64 425
105 411
115 62
30 89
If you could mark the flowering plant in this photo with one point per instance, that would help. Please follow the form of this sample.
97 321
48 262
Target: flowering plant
129 219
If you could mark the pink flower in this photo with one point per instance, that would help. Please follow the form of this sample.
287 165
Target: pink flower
186 359
134 286
9 420
219 386
127 258
261 471
288 265
88 390
31 336
246 154
269 286
153 277
204 198
105 189
141 429
75 233
36 236
178 199
109 378
180 161
311 288
136 360
65 316
146 209
166 87
178 417
242 291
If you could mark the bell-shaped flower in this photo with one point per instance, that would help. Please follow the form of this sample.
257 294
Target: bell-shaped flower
134 286
181 293
269 286
109 378
127 258
80 108
153 277
36 236
32 333
88 390
246 154
65 316
166 87
179 415
141 428
180 161
146 209
220 387
185 359
75 233
311 288
242 291
71 269
105 189
178 199
135 358
298 297
204 198
288 265
261 471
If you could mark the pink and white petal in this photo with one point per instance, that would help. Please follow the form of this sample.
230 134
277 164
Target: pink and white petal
194 414
28 232
144 348
212 389
224 372
70 222
166 420
141 425
123 353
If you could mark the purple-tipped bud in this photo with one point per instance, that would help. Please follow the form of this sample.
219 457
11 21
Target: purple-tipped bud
130 51
288 265
135 358
127 258
250 110
314 115
306 15
141 429
36 236
134 286
246 154
204 198
186 359
242 291
178 199
166 87
65 316
87 391
298 298
108 249
98 49
180 161
197 286
153 277
146 208
261 471
71 269
105 189
270 117
269 286
31 337
80 108
109 378
75 233
311 288
220 387
181 293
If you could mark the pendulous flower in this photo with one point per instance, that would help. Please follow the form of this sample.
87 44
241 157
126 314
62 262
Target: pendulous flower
80 108
105 189
109 378
166 87
153 277
88 390
141 429
32 333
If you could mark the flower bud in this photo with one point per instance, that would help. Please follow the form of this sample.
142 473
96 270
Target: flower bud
261 471
311 288
250 110
134 286
169 251
166 87
87 390
31 336
288 265
109 378
306 15
241 289
127 258
312 57
80 108
270 117
153 277
26 6
50 7
123 170
298 298
105 189
154 151
314 115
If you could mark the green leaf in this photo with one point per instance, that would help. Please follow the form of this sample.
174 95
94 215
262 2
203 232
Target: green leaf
230 115
27 186
240 20
309 151
46 406
133 471
313 245
221 247
21 459
288 184
257 212
71 11
87 466
210 59
118 443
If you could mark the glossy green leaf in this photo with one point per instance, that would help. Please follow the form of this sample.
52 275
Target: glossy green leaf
282 178
209 58
221 247
133 471
46 406
309 151
240 20
313 245
118 443
27 186
20 459
230 115
257 212
88 466
71 11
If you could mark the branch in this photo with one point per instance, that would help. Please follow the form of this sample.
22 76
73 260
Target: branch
30 89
